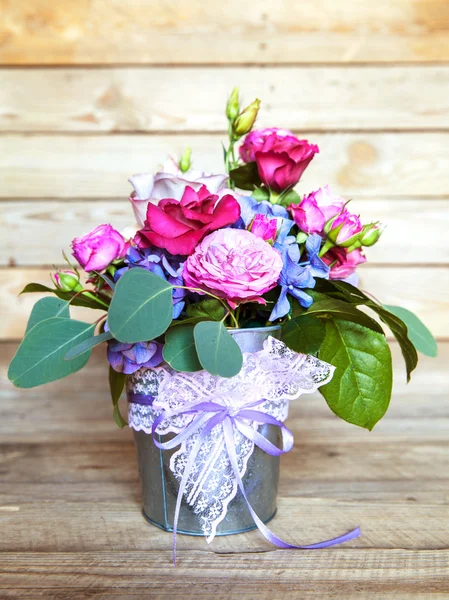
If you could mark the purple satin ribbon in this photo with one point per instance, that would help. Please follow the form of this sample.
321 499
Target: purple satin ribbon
143 399
211 414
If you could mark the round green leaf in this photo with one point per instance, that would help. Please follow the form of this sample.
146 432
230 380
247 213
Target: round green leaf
179 349
360 389
45 308
40 357
418 333
217 351
141 307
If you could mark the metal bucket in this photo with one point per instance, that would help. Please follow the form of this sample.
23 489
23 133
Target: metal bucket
160 486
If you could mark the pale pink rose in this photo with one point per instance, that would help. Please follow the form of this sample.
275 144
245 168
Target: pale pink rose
345 227
264 227
96 250
316 209
344 263
233 264
172 184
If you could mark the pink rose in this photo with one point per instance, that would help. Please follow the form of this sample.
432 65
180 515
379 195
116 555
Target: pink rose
344 263
169 183
315 209
344 228
178 226
264 227
96 250
233 264
281 157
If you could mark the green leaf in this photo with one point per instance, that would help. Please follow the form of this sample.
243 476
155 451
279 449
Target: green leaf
141 307
246 177
304 334
45 308
260 194
72 297
179 349
217 350
106 279
418 333
116 384
88 345
291 197
360 389
210 309
396 325
40 357
338 309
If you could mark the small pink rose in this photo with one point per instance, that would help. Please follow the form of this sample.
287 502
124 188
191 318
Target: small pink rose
264 227
315 209
233 264
96 250
344 227
343 263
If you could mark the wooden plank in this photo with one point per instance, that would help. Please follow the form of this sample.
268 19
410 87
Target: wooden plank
49 226
408 287
356 165
84 32
301 98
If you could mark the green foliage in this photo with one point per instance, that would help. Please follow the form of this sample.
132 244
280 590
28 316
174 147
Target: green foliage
88 345
45 308
40 357
116 384
210 309
246 177
304 334
141 308
291 197
217 351
179 349
325 307
418 333
261 194
74 298
360 389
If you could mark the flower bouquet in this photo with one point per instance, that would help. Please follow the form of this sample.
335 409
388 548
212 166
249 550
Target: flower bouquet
232 297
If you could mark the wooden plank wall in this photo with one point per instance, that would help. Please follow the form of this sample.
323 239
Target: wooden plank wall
93 91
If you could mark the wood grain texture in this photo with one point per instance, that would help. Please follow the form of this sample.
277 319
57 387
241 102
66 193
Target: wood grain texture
70 502
410 287
410 223
91 166
299 98
185 32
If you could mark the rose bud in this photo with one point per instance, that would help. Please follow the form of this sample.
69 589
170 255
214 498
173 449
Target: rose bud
264 228
185 163
344 229
67 281
246 119
371 233
233 105
96 250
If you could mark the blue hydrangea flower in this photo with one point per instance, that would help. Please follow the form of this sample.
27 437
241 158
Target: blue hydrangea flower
129 358
161 264
250 207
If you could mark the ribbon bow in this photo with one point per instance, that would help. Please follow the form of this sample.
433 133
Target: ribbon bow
209 415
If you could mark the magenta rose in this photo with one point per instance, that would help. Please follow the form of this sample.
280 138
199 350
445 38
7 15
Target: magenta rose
315 209
179 226
96 250
281 157
344 228
233 264
264 227
343 263
169 183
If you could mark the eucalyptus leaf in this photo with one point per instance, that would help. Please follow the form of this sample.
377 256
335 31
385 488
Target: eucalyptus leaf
45 308
40 357
210 309
141 307
72 297
179 349
88 345
304 334
325 307
116 384
217 350
246 177
360 389
418 333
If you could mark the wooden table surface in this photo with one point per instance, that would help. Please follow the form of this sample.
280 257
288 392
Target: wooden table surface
71 523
